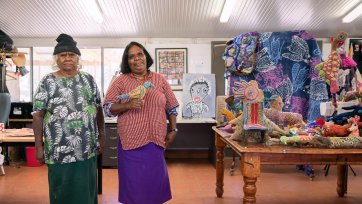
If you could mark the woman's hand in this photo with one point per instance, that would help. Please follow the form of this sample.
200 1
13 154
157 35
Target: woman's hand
100 148
135 104
40 154
170 137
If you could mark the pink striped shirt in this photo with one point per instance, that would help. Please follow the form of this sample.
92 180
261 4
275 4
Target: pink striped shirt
138 127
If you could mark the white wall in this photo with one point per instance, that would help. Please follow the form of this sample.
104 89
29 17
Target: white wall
198 49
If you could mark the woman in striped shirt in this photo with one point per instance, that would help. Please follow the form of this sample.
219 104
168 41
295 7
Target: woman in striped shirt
142 128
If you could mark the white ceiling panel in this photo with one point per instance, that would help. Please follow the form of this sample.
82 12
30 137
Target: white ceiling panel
174 18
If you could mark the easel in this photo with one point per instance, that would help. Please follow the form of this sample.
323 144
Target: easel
326 169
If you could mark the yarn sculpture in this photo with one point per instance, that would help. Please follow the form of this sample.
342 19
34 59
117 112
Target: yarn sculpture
329 69
275 113
137 93
342 118
239 56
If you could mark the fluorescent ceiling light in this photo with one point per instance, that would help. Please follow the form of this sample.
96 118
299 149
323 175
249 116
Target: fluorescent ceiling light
353 14
94 11
226 11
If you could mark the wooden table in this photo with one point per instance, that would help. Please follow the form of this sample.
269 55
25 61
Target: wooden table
253 155
12 139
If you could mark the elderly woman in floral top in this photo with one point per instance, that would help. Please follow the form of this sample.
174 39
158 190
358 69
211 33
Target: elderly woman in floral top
69 127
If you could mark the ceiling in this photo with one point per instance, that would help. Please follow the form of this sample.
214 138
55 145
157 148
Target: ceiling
174 18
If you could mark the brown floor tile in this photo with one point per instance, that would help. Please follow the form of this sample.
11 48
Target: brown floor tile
193 182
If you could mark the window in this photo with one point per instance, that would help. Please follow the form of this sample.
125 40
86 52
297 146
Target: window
19 87
91 60
42 64
112 61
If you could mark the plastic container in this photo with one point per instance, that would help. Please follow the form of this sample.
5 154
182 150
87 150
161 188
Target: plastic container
31 157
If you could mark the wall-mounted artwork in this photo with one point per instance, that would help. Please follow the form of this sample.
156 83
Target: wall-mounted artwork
172 64
198 96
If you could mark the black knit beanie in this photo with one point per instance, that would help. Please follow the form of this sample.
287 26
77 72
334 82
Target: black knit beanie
66 44
6 43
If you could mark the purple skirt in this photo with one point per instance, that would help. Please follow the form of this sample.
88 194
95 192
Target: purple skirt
142 175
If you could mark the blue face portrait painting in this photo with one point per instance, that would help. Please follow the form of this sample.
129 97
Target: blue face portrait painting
199 90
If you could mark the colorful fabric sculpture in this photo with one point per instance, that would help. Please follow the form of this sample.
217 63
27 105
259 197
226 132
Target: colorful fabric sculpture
254 116
329 69
227 128
333 130
240 54
228 114
296 139
248 91
253 104
275 113
319 142
354 126
137 93
342 118
240 132
338 142
353 95
285 66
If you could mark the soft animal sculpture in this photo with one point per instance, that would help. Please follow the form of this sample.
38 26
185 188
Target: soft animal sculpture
342 118
352 95
333 130
228 114
238 125
138 92
354 126
276 114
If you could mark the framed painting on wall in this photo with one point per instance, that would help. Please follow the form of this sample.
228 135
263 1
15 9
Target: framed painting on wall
172 64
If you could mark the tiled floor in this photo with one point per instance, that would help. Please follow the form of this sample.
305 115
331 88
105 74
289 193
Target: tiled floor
193 182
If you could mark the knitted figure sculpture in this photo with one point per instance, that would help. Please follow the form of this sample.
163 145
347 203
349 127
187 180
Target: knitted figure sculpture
320 142
228 114
235 105
248 91
253 117
240 56
282 119
253 104
296 139
137 93
333 130
354 126
239 131
339 142
342 118
352 95
328 70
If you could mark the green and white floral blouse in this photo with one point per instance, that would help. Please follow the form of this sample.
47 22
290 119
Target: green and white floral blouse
70 128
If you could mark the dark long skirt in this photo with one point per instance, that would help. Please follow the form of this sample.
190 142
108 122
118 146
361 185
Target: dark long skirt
73 183
143 176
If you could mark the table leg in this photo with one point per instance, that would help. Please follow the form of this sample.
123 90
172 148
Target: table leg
220 146
250 168
342 173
